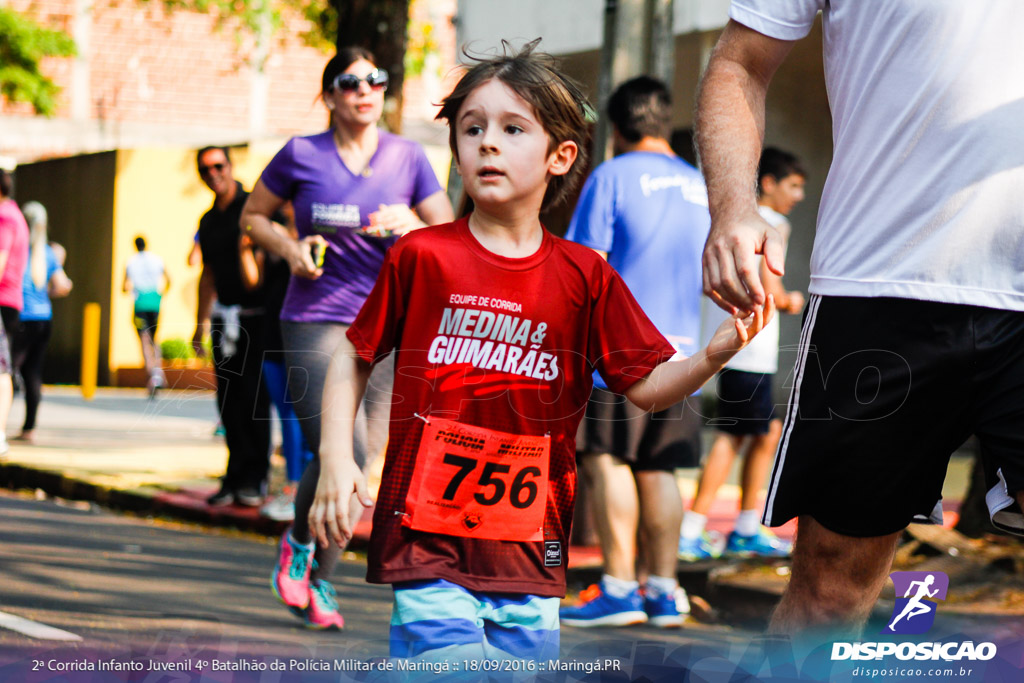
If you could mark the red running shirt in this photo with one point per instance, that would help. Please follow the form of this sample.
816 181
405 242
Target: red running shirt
504 344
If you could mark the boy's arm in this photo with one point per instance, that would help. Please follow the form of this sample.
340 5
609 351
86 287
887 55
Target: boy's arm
671 382
787 301
340 476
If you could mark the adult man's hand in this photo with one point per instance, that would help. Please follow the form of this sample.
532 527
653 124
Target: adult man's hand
732 265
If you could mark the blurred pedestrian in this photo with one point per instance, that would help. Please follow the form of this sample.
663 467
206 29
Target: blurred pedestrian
646 212
236 329
44 279
354 188
746 418
146 278
13 258
270 273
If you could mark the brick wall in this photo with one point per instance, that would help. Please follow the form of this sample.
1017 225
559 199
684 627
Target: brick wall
154 73
152 67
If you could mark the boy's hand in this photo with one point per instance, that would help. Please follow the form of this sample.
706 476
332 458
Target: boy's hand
736 332
329 516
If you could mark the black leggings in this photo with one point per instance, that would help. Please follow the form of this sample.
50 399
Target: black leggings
309 348
30 340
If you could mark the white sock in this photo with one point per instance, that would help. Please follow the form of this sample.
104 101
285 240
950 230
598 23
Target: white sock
748 523
617 588
658 586
693 525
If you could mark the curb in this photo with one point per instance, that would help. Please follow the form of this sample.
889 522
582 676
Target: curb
191 507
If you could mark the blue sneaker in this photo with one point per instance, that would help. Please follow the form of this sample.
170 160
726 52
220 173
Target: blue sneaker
597 608
697 549
663 611
762 544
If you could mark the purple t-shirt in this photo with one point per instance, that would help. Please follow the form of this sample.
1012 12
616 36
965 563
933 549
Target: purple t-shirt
332 201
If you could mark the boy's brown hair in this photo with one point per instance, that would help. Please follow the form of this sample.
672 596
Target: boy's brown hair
557 101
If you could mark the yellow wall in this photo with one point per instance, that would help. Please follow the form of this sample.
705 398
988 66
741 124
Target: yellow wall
159 195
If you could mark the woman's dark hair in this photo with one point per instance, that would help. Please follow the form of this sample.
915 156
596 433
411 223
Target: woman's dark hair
557 101
6 183
641 107
344 59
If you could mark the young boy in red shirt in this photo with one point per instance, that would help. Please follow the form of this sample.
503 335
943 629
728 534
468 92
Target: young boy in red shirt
497 326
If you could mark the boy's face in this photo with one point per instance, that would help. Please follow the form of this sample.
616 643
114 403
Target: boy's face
782 195
503 149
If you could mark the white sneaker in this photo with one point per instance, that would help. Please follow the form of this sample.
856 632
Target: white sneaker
282 507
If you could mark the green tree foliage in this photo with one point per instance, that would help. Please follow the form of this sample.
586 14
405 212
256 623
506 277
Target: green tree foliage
23 45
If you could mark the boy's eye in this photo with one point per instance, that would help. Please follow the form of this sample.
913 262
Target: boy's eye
513 130
473 130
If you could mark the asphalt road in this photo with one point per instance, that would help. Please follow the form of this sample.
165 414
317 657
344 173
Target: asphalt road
153 594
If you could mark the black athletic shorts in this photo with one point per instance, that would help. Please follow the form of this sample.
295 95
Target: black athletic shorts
647 441
146 320
884 391
745 404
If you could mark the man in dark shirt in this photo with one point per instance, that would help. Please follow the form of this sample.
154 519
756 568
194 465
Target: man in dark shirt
236 325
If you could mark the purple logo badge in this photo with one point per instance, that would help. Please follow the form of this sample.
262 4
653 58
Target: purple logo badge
915 595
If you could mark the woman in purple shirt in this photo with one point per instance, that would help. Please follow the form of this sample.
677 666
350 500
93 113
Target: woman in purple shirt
355 189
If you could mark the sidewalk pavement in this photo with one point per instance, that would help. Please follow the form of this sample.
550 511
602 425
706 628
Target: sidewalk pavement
160 457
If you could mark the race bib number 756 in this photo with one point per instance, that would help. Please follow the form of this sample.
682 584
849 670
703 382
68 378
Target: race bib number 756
478 483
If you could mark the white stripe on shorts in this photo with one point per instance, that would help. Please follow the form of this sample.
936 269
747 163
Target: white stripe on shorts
794 404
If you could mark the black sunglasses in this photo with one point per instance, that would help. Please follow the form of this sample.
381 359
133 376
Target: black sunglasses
204 170
376 79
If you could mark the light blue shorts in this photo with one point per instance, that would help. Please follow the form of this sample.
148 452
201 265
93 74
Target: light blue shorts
440 618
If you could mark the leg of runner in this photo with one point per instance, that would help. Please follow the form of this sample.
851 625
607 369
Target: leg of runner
309 346
750 538
661 513
616 601
835 582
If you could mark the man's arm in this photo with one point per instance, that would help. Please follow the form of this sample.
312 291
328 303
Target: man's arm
730 131
207 294
671 382
340 476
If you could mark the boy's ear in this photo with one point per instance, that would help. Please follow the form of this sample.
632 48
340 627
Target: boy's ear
768 185
562 157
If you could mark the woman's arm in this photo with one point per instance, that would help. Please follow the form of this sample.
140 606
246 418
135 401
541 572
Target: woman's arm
255 222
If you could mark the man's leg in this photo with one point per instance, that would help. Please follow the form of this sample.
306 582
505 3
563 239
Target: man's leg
661 513
835 582
615 511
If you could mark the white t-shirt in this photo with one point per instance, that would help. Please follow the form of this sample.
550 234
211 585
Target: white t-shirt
924 197
762 354
146 271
